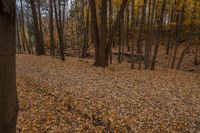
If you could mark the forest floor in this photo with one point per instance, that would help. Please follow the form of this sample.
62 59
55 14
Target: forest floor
74 96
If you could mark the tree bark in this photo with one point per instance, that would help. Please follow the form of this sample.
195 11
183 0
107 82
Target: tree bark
95 29
132 34
39 44
8 94
153 62
51 27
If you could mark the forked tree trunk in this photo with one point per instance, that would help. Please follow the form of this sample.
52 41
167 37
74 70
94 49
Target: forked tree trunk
8 94
103 59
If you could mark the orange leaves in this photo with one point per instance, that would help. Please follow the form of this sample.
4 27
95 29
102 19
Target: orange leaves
74 96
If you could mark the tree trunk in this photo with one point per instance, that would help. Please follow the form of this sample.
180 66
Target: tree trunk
40 22
59 28
110 26
18 39
103 33
95 29
29 34
139 45
8 94
150 36
23 30
132 34
190 35
153 62
39 44
51 27
86 35
115 27
178 30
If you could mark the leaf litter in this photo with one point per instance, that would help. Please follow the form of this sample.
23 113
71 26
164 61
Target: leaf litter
74 96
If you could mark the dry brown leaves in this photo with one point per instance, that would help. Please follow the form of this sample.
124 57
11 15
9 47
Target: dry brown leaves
74 96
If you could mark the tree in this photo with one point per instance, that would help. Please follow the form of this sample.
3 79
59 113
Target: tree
39 43
60 26
51 27
139 44
8 94
102 48
153 62
132 34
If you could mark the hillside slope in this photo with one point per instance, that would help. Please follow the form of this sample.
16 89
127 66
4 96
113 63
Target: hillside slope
74 96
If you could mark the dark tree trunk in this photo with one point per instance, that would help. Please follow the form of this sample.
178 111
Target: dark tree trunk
132 34
103 33
153 62
39 44
51 27
59 28
95 29
24 38
190 35
139 44
8 94
180 19
86 36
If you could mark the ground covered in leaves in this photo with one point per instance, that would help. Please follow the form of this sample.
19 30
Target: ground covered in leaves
74 96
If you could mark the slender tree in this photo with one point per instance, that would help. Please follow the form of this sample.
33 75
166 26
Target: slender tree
153 62
39 43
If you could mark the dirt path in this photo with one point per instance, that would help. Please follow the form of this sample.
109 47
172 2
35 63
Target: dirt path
74 96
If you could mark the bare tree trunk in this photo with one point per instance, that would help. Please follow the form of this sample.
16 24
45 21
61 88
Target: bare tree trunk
29 34
104 59
150 36
127 28
153 62
18 39
115 26
121 41
39 44
110 25
95 29
40 22
190 38
86 35
59 28
179 27
8 94
132 34
51 27
103 33
23 29
139 45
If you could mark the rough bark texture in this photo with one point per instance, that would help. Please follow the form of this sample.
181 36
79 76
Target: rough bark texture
8 95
